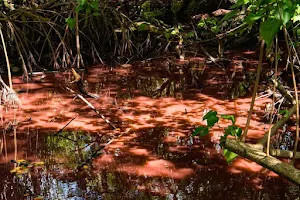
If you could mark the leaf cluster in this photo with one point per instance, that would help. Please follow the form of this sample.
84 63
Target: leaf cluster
211 119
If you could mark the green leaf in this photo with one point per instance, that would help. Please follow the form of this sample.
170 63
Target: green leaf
284 112
201 24
283 14
233 130
296 18
298 31
211 118
167 35
201 131
229 117
81 2
95 5
229 15
239 3
143 27
263 2
269 29
190 34
229 156
70 22
215 29
96 14
175 32
79 8
252 17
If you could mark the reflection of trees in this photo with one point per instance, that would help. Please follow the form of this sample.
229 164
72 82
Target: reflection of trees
68 148
61 180
164 84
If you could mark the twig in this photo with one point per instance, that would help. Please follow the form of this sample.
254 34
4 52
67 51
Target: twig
214 60
58 132
6 57
243 137
296 94
93 108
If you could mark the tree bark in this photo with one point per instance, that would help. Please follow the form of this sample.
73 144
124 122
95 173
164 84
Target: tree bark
269 162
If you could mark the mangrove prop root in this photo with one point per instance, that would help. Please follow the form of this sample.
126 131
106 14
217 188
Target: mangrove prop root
278 125
243 137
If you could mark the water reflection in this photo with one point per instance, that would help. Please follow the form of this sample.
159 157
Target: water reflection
60 177
157 159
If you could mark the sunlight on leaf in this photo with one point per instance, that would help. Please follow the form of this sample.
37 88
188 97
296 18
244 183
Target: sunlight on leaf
229 117
229 156
211 118
233 131
268 29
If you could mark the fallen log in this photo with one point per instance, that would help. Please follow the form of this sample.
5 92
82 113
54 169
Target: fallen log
269 162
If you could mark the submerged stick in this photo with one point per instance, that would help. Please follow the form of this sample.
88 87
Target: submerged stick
60 130
93 108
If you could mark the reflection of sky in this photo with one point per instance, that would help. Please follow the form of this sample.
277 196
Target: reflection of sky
57 189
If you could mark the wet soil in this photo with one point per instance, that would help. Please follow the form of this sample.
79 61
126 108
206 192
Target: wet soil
156 105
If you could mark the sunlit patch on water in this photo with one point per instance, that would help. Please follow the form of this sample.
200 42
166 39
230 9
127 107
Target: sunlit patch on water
156 159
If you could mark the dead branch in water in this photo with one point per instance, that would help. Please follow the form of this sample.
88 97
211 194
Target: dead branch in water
93 108
8 96
269 162
80 84
60 130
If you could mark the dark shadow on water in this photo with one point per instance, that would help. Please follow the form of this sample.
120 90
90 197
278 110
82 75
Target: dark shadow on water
159 105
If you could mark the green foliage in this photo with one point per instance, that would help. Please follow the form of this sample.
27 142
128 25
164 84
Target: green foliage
268 29
285 113
233 131
70 22
229 117
240 3
211 119
149 13
88 6
229 156
201 131
271 15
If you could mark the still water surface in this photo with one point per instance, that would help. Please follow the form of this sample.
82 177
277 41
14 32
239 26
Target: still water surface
156 108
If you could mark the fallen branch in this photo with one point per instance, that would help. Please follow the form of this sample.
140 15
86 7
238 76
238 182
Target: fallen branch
93 108
269 162
284 153
284 92
80 84
58 132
